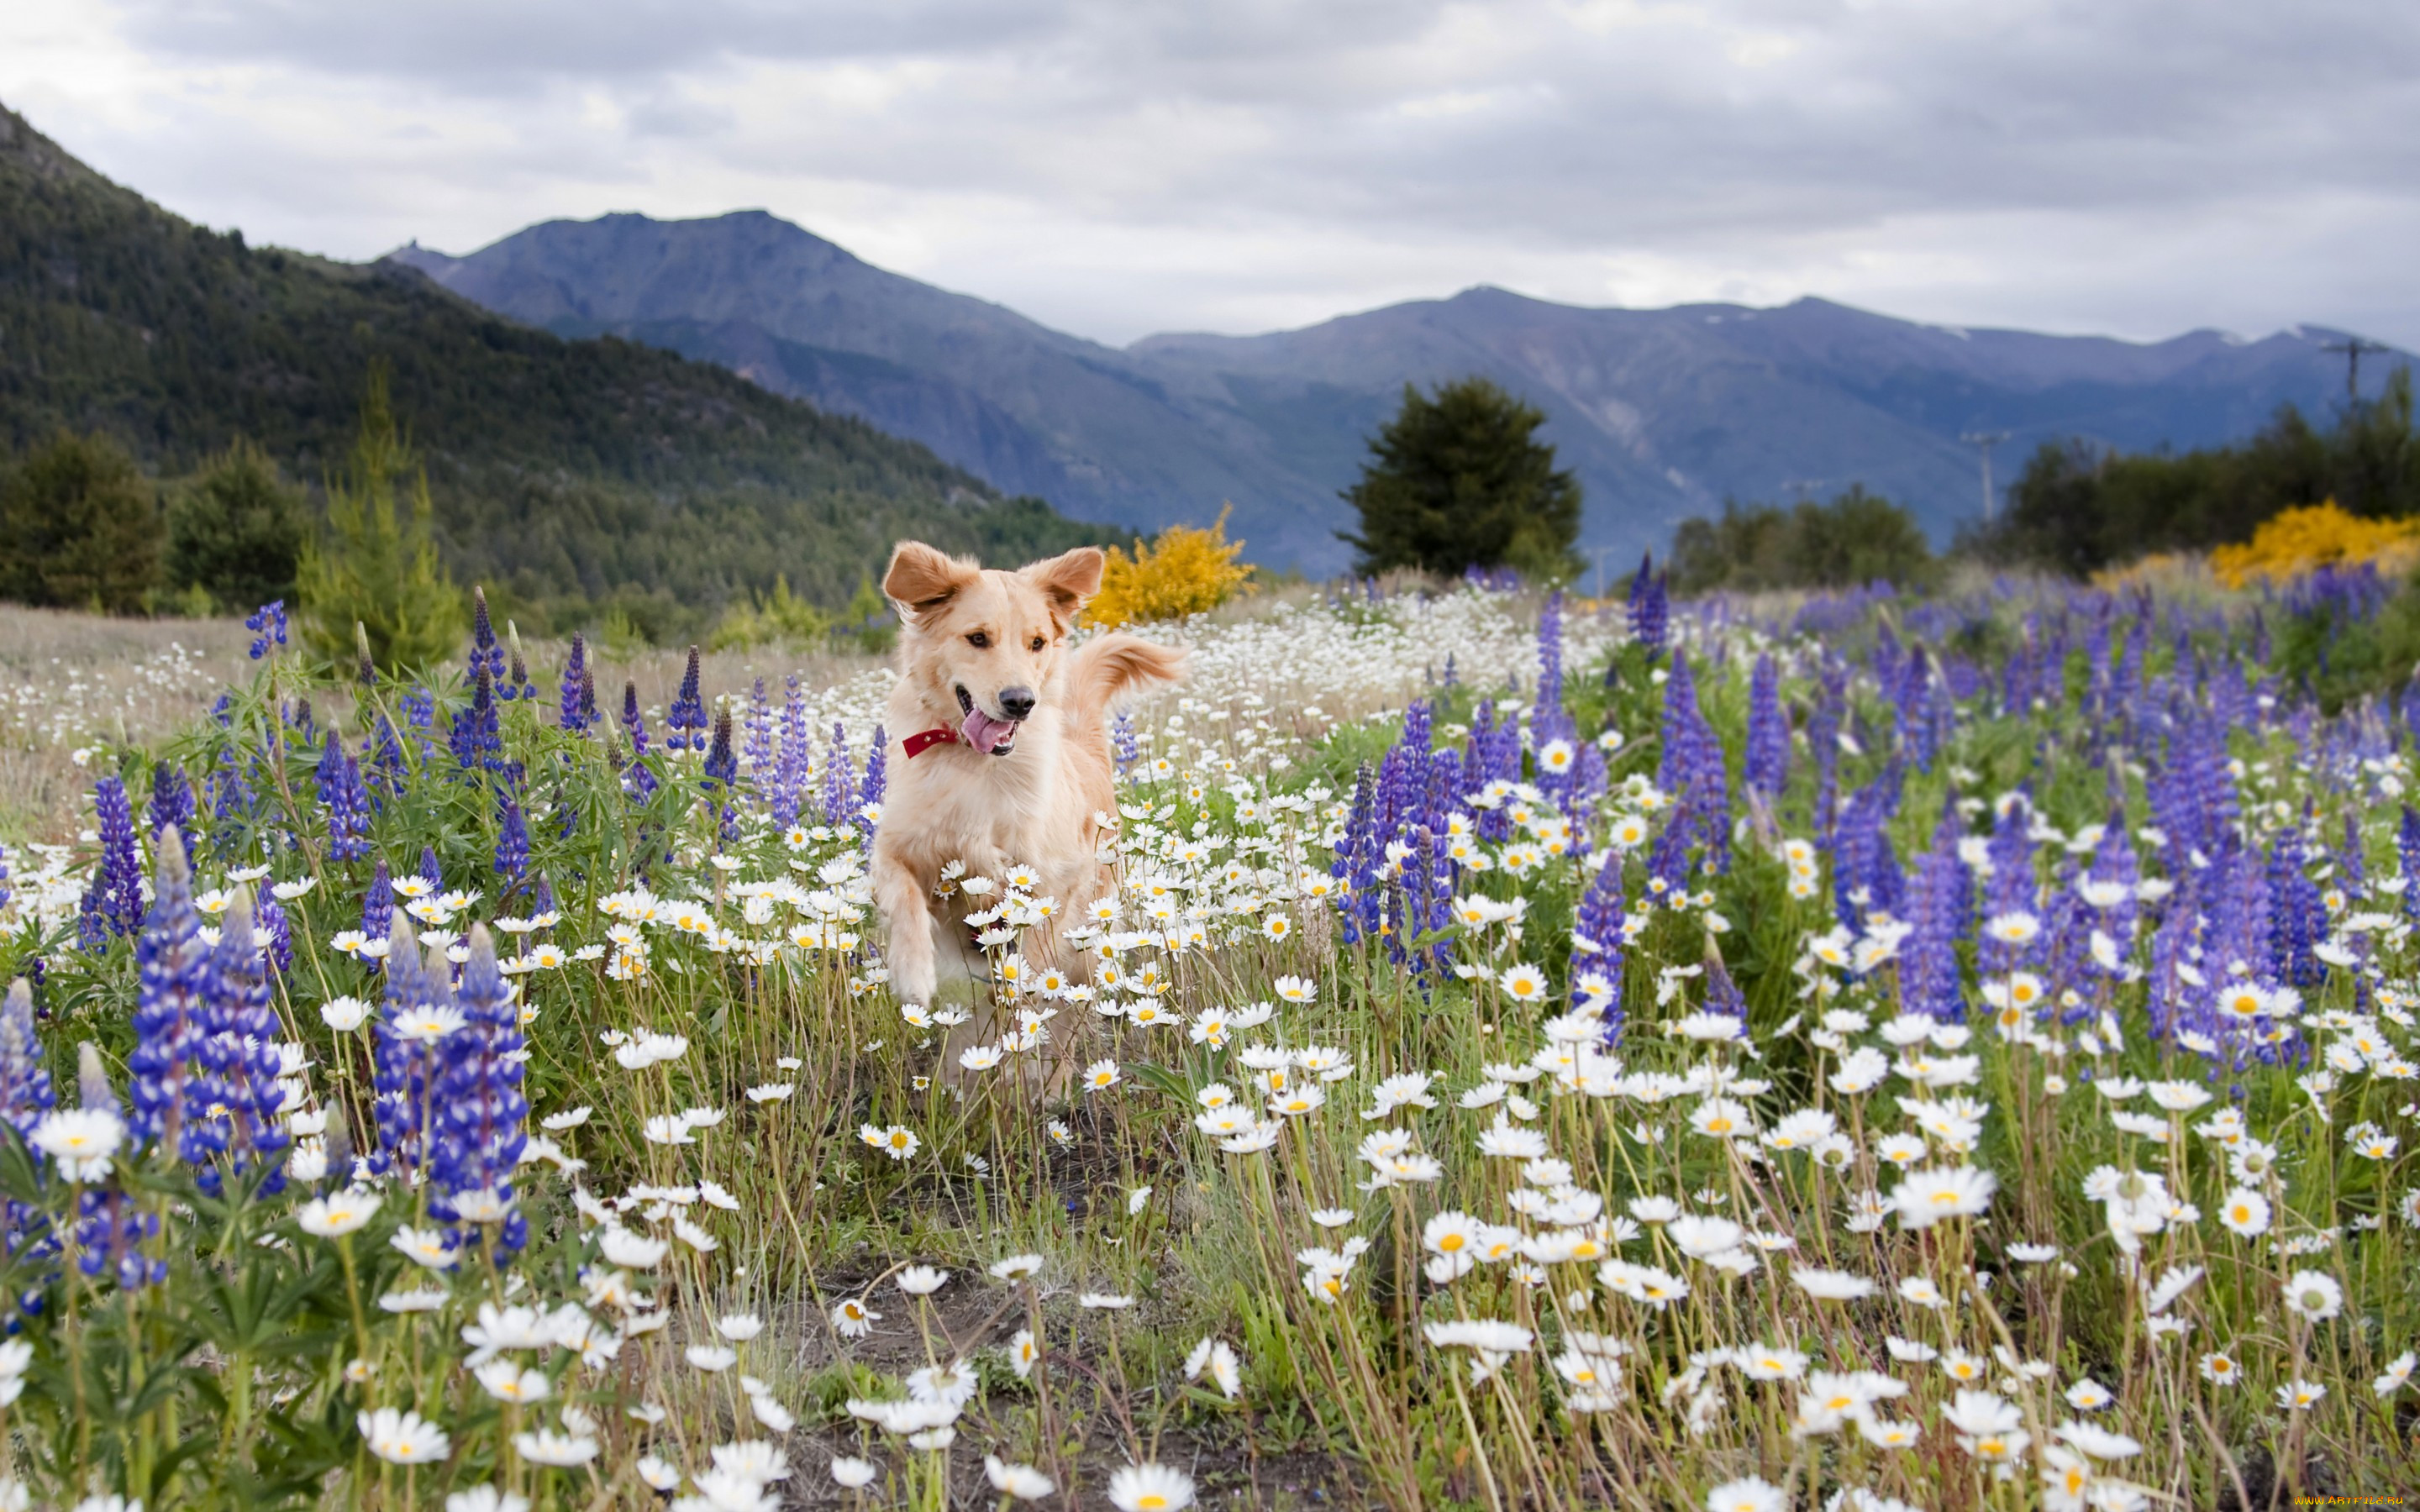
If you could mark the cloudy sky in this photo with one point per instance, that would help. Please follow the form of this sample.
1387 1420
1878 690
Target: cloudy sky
2137 167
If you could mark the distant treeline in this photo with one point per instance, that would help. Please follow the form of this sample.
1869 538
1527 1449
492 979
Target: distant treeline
1856 539
2077 508
84 526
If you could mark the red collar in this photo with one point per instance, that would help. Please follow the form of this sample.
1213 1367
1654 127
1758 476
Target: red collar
925 740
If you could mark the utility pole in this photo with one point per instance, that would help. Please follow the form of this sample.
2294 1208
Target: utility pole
1983 441
2352 346
1600 553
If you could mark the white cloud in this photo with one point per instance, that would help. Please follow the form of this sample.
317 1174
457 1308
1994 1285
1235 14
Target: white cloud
2137 167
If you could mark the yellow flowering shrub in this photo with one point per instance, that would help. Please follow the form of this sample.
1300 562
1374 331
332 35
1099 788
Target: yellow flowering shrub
2300 540
1187 570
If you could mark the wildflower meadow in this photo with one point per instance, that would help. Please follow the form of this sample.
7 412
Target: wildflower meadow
1856 1052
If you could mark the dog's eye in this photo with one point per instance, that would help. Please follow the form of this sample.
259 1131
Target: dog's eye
980 640
1037 643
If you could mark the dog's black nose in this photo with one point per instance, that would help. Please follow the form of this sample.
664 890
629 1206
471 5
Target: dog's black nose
1016 703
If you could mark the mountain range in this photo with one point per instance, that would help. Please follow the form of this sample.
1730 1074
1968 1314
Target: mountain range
573 477
1663 413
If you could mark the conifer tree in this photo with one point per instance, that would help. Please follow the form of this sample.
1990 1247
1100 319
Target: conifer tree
1457 480
374 567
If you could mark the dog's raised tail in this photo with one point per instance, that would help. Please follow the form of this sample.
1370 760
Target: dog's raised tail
1106 667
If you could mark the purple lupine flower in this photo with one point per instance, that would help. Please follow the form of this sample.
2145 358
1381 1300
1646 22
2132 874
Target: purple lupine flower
477 737
797 758
877 780
1866 876
293 716
171 1013
114 1234
2407 855
378 904
637 779
1599 943
1358 853
512 839
1940 905
634 724
2298 914
720 776
239 1062
419 708
25 1095
756 751
1422 895
486 655
1767 764
686 720
1691 770
1491 760
25 1092
840 778
1723 994
1550 653
406 1042
347 802
112 905
574 707
276 930
7 892
1649 609
1912 706
384 766
268 626
172 803
2175 943
1124 747
480 1112
517 684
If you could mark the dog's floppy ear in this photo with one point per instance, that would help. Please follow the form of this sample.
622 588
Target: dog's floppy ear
1067 579
921 579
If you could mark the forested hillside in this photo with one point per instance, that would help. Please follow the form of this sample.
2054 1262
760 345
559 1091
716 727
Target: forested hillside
570 474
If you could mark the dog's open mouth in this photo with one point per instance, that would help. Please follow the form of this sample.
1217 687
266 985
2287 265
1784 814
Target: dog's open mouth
994 737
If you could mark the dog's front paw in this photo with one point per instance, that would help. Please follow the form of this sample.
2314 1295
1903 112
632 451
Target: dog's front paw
912 981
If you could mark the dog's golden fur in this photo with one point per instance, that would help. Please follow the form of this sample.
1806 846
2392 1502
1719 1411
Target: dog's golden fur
983 639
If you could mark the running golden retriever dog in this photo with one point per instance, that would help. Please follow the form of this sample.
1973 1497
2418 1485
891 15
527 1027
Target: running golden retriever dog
1000 753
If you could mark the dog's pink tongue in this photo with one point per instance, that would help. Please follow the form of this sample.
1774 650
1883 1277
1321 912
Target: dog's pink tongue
985 733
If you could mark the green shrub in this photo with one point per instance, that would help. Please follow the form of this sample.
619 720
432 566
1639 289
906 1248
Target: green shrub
237 531
770 619
1855 539
80 528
